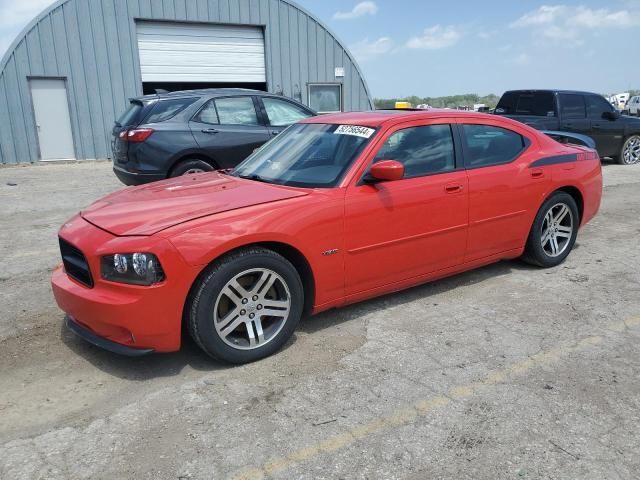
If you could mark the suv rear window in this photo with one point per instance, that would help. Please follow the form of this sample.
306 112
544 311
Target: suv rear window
130 115
537 104
166 109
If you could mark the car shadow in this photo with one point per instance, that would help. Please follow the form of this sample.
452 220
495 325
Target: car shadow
190 355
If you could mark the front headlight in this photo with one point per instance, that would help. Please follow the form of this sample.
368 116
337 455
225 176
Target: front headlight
134 268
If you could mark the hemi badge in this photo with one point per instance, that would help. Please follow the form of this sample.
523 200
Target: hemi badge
330 252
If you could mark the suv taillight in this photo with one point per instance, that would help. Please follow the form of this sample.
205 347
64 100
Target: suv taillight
136 135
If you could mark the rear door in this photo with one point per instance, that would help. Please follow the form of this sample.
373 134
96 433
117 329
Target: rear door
608 133
503 190
573 113
228 129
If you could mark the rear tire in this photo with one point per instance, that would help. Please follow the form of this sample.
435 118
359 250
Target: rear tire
554 231
246 305
190 166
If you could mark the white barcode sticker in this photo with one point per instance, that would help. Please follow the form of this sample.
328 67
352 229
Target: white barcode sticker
354 130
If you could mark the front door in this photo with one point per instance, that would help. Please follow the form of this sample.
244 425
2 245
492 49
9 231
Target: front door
407 228
53 122
228 130
607 129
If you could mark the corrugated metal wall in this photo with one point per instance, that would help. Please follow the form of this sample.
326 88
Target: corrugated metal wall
92 44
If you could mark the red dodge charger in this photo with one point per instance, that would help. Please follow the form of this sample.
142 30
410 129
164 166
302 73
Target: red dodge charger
335 210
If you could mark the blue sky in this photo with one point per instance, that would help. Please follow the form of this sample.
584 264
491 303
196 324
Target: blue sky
437 47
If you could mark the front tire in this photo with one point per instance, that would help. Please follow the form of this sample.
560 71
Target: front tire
554 231
246 305
630 152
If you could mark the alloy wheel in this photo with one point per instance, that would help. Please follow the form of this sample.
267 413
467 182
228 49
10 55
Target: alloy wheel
557 230
631 150
252 308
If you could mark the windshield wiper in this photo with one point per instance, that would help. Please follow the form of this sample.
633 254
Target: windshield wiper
254 176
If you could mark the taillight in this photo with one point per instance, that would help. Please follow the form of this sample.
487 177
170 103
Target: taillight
589 155
135 135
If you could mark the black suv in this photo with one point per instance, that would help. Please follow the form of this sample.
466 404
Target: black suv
616 136
171 134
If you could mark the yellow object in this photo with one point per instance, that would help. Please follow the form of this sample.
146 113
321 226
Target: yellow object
403 105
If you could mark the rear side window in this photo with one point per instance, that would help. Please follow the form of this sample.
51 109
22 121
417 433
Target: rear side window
422 150
130 115
487 145
572 106
166 109
282 113
597 105
229 111
538 104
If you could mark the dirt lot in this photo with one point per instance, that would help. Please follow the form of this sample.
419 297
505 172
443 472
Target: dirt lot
504 372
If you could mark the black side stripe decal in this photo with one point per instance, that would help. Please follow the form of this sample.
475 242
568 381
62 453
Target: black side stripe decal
543 162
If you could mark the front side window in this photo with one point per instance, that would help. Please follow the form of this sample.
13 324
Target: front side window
597 105
422 150
307 155
167 109
282 113
572 106
236 111
487 145
325 98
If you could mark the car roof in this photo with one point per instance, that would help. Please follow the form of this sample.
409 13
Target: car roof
376 118
536 90
208 92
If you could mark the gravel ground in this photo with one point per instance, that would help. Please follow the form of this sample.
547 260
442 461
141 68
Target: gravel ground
503 372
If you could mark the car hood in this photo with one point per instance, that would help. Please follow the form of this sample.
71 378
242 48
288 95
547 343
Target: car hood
150 208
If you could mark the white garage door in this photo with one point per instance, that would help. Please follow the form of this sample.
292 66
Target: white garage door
183 52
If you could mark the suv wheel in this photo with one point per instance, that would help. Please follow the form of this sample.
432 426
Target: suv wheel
190 166
554 231
246 305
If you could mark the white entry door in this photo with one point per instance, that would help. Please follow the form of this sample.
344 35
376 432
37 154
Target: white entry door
53 123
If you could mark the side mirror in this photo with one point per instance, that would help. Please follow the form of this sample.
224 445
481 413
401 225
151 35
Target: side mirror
385 171
610 115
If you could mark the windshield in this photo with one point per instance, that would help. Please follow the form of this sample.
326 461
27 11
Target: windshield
307 155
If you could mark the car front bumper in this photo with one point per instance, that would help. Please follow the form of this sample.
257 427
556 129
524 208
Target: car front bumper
137 318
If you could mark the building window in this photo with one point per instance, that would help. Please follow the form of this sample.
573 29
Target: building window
325 97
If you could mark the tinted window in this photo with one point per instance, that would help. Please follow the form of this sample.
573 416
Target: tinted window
572 106
208 114
539 104
236 111
130 116
422 150
597 105
487 145
166 109
281 112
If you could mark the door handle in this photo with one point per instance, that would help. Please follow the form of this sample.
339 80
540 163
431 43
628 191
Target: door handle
209 130
537 173
596 126
453 188
275 132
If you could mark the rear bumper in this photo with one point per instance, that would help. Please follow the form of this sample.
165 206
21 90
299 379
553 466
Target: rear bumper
136 178
88 336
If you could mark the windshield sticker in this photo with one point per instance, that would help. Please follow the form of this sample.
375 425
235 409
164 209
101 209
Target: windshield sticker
354 130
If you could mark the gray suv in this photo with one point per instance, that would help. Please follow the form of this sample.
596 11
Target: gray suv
171 134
